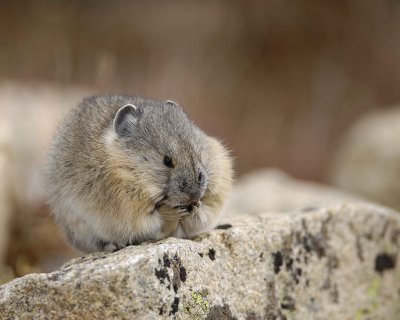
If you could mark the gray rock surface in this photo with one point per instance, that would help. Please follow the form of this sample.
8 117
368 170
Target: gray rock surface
335 262
368 161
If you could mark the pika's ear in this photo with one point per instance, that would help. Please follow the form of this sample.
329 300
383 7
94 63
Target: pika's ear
170 102
125 120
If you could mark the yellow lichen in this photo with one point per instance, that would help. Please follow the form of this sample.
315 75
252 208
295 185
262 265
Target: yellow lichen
197 306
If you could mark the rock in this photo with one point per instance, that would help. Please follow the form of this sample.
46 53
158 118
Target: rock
335 262
368 161
273 190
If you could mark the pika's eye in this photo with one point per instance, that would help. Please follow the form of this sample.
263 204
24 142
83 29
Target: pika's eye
201 177
168 162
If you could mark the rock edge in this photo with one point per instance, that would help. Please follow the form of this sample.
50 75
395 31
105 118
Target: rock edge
335 262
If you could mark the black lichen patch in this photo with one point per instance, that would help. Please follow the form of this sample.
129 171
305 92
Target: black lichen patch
296 274
224 226
286 259
278 261
314 243
289 264
162 274
211 254
174 306
288 303
179 273
201 254
261 256
166 260
161 310
182 273
220 313
384 261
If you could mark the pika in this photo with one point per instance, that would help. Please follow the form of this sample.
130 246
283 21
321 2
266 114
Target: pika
122 170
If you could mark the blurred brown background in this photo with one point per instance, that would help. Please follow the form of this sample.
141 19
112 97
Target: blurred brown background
278 81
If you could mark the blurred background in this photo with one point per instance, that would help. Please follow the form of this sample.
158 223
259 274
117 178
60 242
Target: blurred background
280 82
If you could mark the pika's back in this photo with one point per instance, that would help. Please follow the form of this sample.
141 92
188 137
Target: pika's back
85 125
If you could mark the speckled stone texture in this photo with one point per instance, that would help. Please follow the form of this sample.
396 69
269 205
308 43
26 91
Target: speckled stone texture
333 262
368 161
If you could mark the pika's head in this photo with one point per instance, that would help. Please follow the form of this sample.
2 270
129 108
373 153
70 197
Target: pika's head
166 152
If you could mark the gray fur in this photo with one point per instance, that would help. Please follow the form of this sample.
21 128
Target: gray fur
108 191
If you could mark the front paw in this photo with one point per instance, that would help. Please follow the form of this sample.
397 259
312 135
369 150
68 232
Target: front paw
112 246
169 213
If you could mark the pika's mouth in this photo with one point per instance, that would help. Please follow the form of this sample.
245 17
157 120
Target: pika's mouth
191 207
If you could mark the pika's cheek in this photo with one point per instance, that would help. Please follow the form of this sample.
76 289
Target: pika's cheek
155 192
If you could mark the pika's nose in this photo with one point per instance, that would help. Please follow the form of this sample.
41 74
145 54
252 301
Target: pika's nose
193 206
196 196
